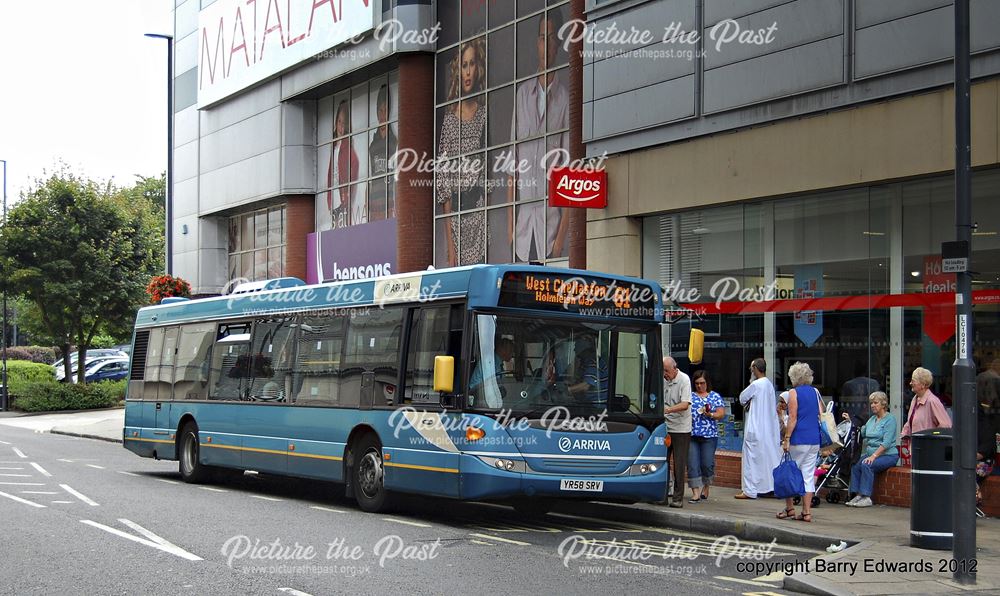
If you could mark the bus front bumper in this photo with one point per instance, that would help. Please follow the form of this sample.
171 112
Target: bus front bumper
482 482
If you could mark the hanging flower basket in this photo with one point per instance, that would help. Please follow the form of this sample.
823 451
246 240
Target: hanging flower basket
166 286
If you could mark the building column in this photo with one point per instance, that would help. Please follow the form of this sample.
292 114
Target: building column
577 217
414 189
300 217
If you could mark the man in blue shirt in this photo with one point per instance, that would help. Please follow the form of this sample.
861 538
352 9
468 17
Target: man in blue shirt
592 375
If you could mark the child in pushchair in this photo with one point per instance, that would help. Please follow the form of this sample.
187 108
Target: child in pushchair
833 468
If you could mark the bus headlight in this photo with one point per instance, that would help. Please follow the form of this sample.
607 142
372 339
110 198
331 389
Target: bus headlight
642 469
506 465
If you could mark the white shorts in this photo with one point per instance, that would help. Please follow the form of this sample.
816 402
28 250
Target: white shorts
805 458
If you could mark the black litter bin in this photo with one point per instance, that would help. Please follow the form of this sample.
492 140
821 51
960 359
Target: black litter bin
931 480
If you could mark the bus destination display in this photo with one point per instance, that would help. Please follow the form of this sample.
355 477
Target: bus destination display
584 295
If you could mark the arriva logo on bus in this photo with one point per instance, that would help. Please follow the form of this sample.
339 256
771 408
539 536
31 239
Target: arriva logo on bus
567 444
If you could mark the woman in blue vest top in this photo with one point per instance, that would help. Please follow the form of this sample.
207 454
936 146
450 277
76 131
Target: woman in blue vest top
801 438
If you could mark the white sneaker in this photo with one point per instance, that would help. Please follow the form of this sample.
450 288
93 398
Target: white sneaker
853 501
864 502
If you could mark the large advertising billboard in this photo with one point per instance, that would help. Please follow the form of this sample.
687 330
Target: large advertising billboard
243 42
363 251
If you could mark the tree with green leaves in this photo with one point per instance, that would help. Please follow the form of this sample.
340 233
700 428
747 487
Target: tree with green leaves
81 254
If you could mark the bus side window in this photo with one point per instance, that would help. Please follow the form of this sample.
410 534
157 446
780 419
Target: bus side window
153 352
271 360
371 346
191 367
316 372
230 362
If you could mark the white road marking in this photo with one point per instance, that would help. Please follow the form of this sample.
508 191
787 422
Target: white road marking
39 492
407 522
20 500
153 541
507 540
23 483
4 443
214 490
127 473
327 509
40 469
168 481
294 592
743 581
16 475
482 543
266 498
63 502
76 494
18 452
69 461
94 466
13 468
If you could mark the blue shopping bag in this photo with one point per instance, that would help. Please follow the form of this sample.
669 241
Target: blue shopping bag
788 479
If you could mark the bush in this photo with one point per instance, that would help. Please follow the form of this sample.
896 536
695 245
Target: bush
21 372
16 353
41 354
50 396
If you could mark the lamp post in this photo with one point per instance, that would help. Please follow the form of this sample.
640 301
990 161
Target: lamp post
169 196
3 392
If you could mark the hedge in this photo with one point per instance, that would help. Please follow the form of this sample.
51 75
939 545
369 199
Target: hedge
21 372
51 396
39 354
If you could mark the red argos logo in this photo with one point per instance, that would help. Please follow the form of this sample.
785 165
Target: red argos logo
570 187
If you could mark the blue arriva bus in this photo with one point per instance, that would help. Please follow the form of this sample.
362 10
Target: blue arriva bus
511 383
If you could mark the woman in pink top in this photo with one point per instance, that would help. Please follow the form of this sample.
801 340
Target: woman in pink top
926 410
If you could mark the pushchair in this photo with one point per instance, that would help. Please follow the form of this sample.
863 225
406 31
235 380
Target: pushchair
833 471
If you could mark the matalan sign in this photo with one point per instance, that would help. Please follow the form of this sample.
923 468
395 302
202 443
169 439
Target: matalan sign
571 187
242 42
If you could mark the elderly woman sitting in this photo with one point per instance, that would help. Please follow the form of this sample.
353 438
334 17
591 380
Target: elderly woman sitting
878 444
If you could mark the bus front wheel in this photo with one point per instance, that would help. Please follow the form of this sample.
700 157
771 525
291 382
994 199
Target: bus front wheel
191 468
368 475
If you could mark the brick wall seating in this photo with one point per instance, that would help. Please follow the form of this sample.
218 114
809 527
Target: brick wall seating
892 487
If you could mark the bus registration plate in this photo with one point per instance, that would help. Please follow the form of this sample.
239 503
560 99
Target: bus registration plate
594 486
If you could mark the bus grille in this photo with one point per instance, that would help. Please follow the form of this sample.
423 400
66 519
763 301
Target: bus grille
580 466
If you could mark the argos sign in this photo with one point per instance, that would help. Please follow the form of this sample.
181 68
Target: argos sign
570 187
242 42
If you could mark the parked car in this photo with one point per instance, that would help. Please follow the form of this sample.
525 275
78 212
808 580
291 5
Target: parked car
93 357
108 369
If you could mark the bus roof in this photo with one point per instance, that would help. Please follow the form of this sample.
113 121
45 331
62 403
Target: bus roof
485 286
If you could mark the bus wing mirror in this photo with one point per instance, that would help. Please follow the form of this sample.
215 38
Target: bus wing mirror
696 346
444 373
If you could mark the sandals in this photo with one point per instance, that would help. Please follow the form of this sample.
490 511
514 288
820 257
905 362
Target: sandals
787 514
804 517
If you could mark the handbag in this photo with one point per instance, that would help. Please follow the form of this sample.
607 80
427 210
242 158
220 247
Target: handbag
788 481
828 435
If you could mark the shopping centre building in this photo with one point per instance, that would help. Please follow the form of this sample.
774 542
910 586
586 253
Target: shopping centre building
782 167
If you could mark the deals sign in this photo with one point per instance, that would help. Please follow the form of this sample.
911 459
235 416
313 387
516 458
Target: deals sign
571 187
242 42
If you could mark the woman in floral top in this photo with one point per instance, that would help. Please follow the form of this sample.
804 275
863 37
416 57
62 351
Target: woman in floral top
707 408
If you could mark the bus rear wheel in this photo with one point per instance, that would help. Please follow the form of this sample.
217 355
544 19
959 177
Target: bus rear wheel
368 475
190 466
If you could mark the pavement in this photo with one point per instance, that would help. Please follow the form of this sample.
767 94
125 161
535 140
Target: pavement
877 559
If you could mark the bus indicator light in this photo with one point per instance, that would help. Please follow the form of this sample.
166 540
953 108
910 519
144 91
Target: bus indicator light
474 433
